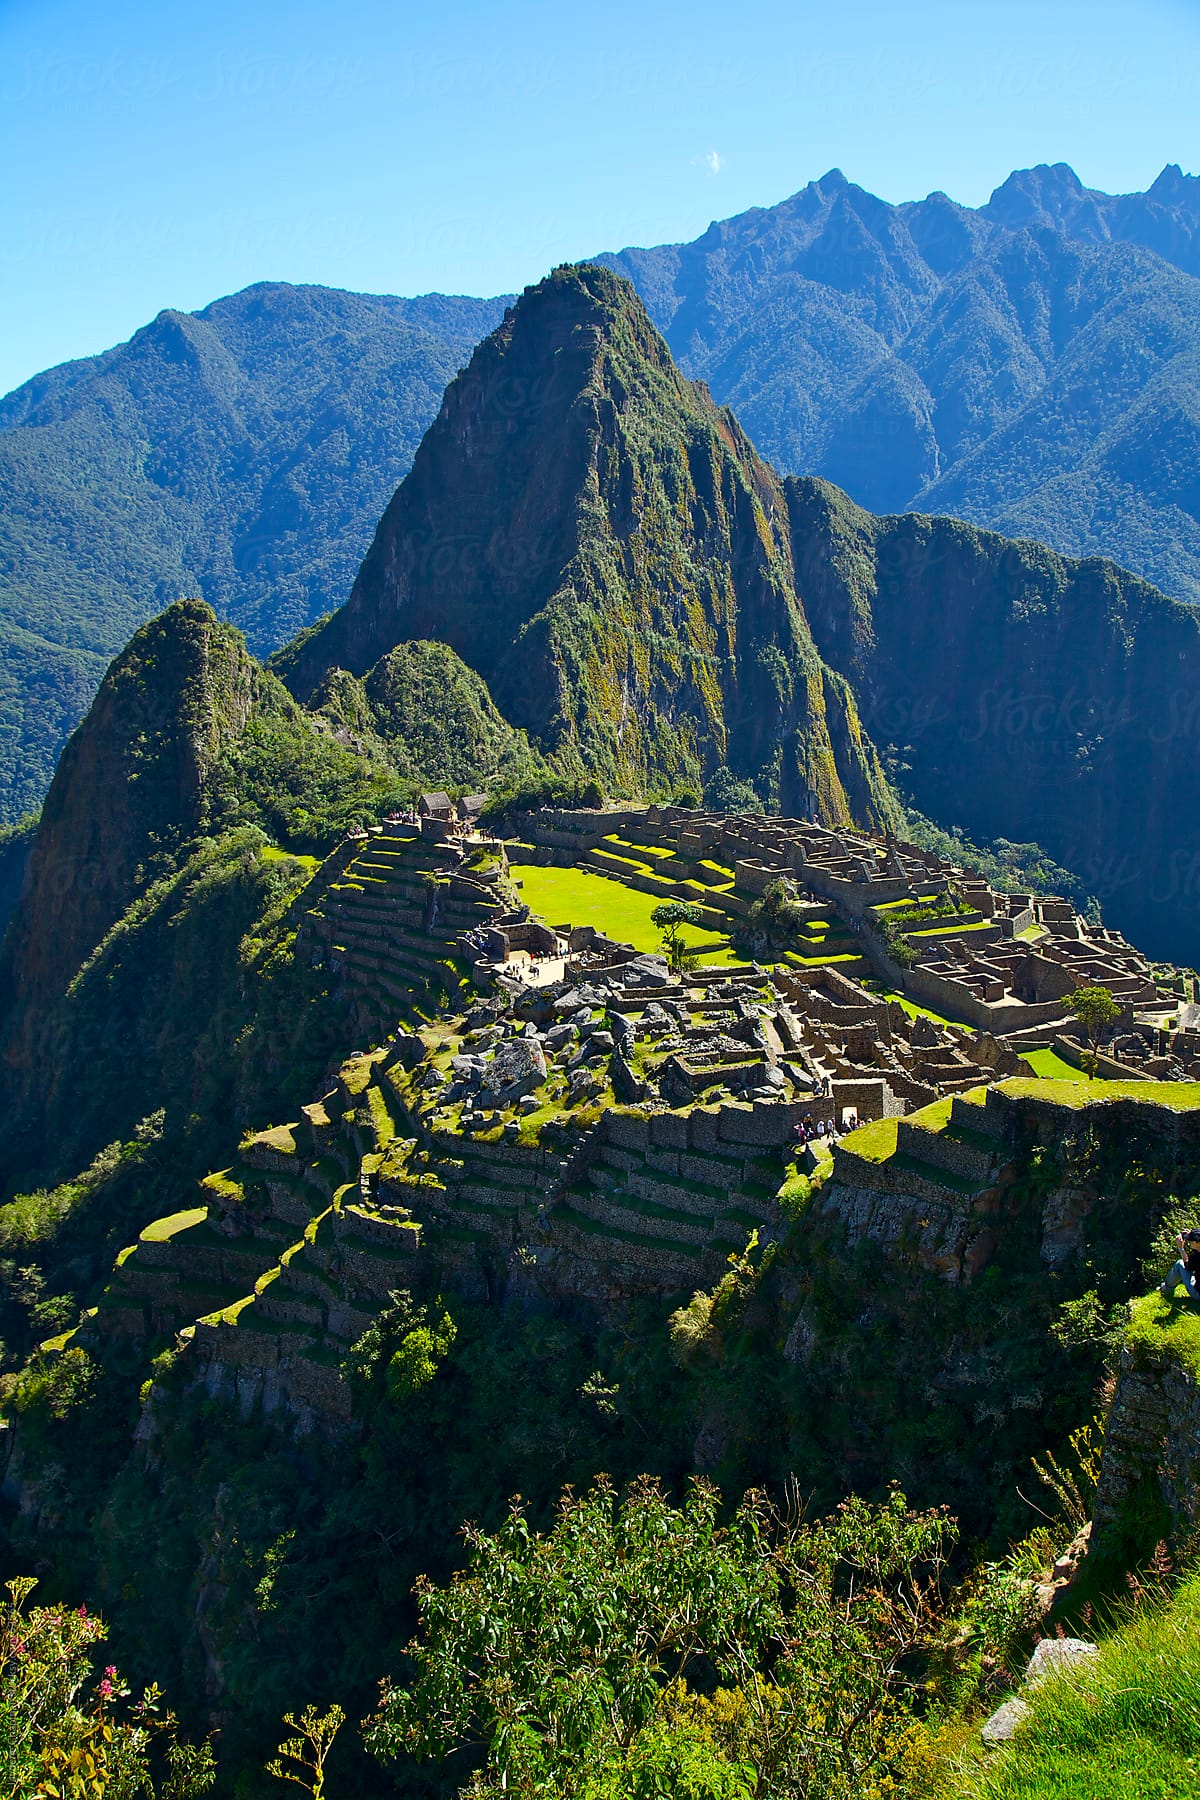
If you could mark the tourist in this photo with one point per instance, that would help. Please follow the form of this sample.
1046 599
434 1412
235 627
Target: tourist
1186 1269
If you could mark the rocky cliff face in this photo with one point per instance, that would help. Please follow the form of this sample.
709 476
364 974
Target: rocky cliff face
588 531
1031 696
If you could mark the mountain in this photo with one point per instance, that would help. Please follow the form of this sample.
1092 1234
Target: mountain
1022 694
1030 365
243 453
131 972
587 528
313 1249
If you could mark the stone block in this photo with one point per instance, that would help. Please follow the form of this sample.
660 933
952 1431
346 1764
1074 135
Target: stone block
669 1130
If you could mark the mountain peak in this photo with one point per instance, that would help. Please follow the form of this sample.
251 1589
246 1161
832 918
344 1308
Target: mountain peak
1043 195
589 533
1173 186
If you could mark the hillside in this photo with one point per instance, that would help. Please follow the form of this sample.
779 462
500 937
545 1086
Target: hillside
613 555
1028 365
1019 693
502 1250
243 453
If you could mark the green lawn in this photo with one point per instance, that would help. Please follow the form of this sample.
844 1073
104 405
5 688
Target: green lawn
582 897
924 1012
270 853
1182 1096
160 1230
1159 1327
1051 1067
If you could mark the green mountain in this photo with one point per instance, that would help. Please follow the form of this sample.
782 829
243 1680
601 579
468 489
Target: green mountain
1020 694
311 1249
610 551
177 828
1028 365
243 453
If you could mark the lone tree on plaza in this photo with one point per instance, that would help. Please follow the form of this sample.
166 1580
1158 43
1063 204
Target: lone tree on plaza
671 917
1096 1011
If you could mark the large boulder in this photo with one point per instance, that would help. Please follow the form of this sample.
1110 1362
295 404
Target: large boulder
517 1068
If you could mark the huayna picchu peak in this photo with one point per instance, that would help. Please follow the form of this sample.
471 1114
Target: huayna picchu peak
522 1040
602 544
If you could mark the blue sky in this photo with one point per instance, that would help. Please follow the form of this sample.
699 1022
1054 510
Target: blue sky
155 155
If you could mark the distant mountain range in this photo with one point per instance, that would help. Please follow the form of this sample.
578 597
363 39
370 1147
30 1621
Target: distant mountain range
1031 365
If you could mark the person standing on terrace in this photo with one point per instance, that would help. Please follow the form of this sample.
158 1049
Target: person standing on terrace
1186 1269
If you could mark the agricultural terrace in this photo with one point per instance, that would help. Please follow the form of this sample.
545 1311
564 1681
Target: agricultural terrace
582 897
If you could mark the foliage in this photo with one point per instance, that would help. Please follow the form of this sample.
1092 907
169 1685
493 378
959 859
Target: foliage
552 1654
1010 868
779 908
301 1759
1131 1728
511 800
1097 1011
724 792
671 918
402 1347
66 1734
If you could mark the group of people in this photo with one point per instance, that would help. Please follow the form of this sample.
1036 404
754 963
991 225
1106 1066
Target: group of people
806 1132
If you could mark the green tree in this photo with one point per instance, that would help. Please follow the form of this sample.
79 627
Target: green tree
671 918
1096 1010
638 1642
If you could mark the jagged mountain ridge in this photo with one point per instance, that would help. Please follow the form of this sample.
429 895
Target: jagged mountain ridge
996 364
925 355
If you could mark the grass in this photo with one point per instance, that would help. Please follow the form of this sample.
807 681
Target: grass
1179 1096
1126 1728
271 853
876 1142
583 897
1159 1327
1050 1066
160 1230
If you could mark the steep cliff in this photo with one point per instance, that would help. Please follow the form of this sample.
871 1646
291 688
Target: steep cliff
589 532
131 784
1029 695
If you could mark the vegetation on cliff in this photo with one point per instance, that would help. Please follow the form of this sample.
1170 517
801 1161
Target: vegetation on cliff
586 529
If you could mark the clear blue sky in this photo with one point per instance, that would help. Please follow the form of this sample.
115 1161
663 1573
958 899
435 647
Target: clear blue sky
156 154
